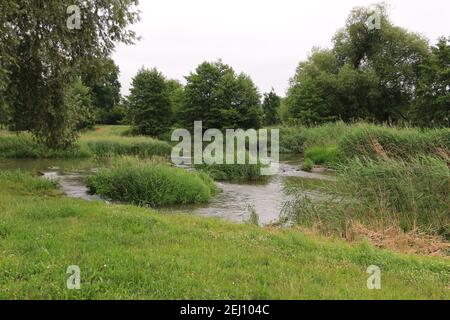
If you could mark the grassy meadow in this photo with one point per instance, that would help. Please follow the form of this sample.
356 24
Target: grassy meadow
130 252
133 252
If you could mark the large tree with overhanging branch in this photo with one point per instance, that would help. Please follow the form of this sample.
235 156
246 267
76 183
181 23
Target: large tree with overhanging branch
41 56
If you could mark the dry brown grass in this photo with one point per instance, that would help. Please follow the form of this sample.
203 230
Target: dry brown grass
379 150
393 238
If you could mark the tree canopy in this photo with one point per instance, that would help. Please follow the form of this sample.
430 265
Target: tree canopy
370 73
220 98
271 107
41 57
432 107
150 103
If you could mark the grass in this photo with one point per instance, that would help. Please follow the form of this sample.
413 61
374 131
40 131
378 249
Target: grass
411 195
23 146
339 141
126 252
247 172
323 155
297 139
25 183
105 141
147 183
234 172
377 142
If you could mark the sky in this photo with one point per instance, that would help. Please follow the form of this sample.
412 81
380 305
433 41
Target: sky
265 39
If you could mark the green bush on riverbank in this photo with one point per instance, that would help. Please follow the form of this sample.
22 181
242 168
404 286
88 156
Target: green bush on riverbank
147 183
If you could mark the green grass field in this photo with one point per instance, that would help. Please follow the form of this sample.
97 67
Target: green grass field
129 252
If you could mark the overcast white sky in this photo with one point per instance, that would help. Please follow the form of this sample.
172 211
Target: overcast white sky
266 39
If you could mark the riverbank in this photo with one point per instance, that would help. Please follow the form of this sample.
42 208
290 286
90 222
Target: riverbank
126 252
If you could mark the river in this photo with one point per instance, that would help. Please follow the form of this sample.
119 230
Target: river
234 203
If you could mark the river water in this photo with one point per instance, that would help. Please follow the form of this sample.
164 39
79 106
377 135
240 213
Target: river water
234 203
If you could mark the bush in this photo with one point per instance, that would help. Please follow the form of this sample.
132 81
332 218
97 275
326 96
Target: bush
322 155
233 172
147 183
292 140
307 165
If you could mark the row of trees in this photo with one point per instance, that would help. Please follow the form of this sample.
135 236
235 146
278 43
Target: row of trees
382 75
55 80
214 93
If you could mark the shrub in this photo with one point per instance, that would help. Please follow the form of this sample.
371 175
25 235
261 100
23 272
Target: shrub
24 146
307 165
147 183
292 141
326 155
233 172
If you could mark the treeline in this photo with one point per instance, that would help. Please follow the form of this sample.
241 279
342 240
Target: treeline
55 81
214 93
379 75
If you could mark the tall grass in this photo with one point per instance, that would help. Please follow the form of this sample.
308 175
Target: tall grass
412 195
358 139
91 144
297 139
147 183
24 146
379 142
323 155
117 146
250 171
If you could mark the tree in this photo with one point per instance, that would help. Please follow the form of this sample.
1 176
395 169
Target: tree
102 77
176 95
79 102
432 106
43 52
150 103
220 98
271 106
369 73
